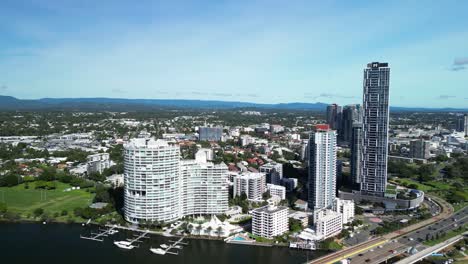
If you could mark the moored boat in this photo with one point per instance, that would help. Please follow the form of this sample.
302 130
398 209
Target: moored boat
158 251
124 244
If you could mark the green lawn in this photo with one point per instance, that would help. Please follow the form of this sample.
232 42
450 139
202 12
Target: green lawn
421 187
439 185
25 201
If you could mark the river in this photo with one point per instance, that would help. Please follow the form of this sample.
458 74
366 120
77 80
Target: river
61 243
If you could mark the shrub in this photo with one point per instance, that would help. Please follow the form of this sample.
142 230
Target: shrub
38 212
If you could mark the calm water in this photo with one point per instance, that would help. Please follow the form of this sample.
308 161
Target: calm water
59 243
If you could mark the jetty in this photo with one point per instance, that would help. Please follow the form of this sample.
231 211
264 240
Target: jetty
175 244
99 236
128 244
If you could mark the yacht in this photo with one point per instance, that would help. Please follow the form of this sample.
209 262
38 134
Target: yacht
124 244
158 251
164 246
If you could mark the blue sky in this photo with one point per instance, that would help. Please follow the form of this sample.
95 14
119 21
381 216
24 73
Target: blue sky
256 51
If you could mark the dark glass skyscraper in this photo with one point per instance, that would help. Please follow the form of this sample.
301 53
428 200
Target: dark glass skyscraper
334 113
375 129
351 114
356 153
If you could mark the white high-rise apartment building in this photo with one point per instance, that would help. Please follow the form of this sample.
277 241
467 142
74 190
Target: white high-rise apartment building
252 184
98 162
322 168
152 181
204 188
328 223
270 221
346 208
374 150
159 187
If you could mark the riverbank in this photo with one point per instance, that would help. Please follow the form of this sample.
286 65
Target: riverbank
58 243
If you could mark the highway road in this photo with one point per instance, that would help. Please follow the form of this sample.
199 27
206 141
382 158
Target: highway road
413 239
348 252
390 245
428 251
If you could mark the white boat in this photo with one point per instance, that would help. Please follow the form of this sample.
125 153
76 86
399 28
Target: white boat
158 251
164 246
178 246
113 231
124 244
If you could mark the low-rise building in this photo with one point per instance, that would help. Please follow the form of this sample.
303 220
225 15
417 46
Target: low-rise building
328 223
289 183
116 180
300 205
303 217
277 190
273 172
247 140
270 221
346 208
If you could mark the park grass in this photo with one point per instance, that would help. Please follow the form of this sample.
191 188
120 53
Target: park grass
24 201
439 185
420 186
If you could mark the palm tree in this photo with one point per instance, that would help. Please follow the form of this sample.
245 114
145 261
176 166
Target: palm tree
219 230
190 228
209 229
199 228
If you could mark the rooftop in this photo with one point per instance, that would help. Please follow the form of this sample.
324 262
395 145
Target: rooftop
270 209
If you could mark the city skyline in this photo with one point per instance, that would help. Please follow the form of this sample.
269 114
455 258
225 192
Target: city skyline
301 52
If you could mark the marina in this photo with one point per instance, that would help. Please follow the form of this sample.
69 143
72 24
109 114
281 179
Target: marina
128 244
100 235
165 249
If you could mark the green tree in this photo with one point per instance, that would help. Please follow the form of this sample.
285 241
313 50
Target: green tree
48 174
3 208
295 225
38 212
10 180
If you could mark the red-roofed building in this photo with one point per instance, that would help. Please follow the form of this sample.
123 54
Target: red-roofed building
322 127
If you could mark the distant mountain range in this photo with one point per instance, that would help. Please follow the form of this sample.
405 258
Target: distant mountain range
9 103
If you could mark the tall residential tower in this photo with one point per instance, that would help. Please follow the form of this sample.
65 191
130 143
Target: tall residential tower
161 187
322 168
375 129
